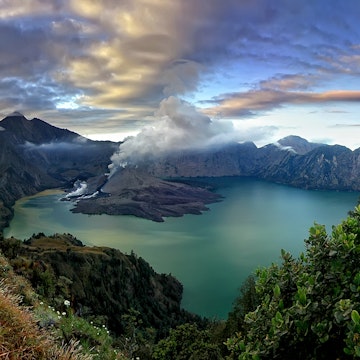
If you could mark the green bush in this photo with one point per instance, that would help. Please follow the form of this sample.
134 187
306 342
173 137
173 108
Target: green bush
308 306
187 342
247 301
10 247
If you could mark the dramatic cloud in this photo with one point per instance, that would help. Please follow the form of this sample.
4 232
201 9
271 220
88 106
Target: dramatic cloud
244 104
69 60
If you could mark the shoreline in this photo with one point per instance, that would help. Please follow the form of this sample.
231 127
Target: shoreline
46 192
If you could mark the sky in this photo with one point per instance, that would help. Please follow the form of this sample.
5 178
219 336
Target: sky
244 70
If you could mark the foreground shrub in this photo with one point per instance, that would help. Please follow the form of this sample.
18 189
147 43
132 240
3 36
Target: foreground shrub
309 307
187 342
21 338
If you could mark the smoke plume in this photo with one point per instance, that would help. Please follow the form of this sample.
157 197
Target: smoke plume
179 127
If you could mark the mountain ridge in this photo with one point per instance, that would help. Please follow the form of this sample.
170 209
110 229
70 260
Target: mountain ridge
35 130
35 155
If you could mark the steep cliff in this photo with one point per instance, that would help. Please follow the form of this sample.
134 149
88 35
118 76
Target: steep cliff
35 155
317 166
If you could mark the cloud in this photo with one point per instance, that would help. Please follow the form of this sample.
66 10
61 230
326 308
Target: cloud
21 51
285 82
337 111
284 148
138 59
179 127
347 125
54 146
118 59
181 77
13 9
115 53
248 103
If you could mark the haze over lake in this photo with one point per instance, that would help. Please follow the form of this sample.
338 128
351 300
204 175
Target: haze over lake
210 254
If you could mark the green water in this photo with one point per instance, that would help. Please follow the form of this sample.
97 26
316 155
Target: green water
210 254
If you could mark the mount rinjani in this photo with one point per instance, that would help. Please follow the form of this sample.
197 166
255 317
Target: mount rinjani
35 156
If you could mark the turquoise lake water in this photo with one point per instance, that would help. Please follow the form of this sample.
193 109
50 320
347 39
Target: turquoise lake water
211 254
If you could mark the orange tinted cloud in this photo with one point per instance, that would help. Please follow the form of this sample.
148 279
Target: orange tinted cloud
245 104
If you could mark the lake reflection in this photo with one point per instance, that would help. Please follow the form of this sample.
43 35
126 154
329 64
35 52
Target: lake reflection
211 254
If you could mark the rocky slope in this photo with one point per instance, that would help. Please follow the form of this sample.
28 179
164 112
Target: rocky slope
134 192
293 162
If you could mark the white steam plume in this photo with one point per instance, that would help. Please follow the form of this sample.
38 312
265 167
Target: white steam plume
80 189
179 127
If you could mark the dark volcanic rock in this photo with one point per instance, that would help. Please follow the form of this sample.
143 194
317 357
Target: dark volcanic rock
131 191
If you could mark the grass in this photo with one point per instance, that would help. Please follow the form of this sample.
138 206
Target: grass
61 242
20 336
38 331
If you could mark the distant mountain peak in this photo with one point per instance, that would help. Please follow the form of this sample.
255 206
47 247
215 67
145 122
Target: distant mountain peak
34 131
297 144
293 138
16 114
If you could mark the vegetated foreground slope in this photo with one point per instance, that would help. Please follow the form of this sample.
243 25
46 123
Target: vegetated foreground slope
101 281
21 335
308 308
305 308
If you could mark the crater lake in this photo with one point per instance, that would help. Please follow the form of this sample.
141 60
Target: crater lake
211 254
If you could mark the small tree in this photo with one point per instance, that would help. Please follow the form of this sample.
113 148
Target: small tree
10 247
247 301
